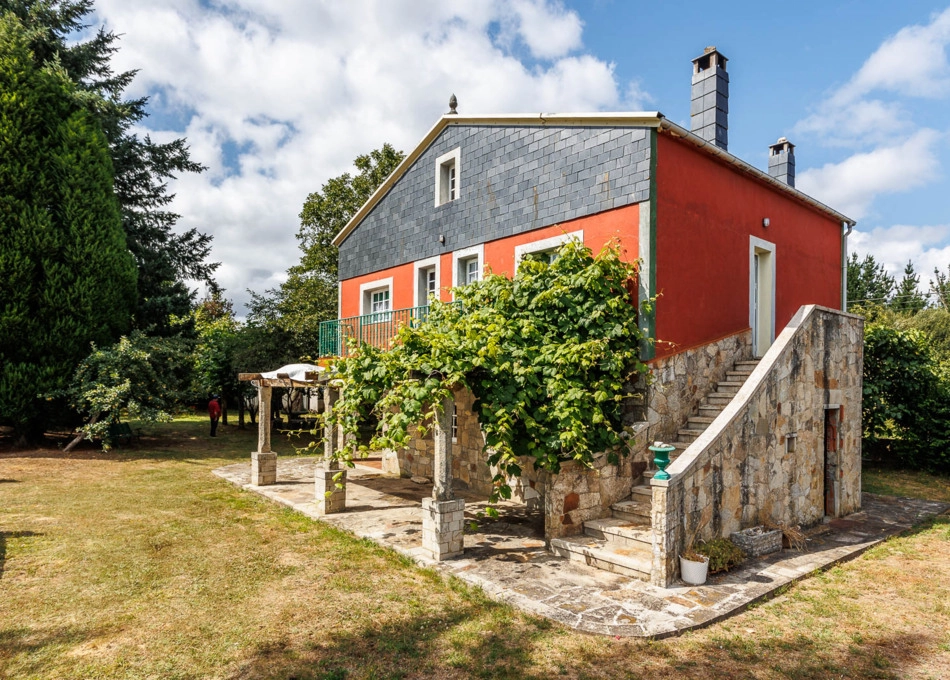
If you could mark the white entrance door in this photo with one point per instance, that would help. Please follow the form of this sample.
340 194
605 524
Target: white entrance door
761 294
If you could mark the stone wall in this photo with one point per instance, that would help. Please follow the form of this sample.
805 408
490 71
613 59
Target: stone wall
578 494
682 380
469 466
763 459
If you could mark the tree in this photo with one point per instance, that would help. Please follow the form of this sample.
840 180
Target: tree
217 331
940 288
309 295
141 167
907 297
146 378
868 282
66 275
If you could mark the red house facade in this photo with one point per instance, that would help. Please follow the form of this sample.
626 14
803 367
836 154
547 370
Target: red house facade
735 255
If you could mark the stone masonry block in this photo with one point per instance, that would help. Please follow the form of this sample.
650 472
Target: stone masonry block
263 468
443 527
328 497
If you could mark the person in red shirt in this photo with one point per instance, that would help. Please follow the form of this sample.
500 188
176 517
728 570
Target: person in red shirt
214 411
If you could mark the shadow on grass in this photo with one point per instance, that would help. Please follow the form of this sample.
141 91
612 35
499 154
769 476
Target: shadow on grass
4 535
185 439
31 648
482 640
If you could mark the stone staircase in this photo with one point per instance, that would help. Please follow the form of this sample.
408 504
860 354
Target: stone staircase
623 543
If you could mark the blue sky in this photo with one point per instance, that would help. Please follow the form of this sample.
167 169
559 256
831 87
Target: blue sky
276 98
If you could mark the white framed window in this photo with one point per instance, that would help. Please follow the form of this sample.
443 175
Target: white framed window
448 176
426 279
467 265
455 423
545 249
376 299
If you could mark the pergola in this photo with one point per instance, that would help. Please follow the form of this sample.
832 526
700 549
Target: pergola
442 514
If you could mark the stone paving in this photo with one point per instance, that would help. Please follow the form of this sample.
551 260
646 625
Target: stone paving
507 557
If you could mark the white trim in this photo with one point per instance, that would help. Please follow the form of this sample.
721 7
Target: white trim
465 253
371 286
757 246
455 155
425 264
546 244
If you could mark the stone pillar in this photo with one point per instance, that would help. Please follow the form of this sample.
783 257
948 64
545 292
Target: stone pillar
443 515
329 479
263 461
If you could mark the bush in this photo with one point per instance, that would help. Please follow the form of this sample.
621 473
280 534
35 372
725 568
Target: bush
723 554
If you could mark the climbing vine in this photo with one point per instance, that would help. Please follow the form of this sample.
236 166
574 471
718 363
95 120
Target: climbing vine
547 354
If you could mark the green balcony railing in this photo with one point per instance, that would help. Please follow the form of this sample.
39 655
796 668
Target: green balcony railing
340 337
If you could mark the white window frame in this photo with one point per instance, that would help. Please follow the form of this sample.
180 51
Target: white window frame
454 158
467 253
758 246
370 287
545 244
455 423
417 268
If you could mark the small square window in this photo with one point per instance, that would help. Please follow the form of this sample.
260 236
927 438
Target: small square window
428 285
379 301
468 270
447 175
376 301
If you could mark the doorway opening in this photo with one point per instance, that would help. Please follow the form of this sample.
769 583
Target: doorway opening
761 294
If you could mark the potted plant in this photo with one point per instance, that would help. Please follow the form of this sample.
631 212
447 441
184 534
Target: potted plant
694 566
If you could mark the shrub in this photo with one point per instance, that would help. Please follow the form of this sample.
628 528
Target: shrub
723 554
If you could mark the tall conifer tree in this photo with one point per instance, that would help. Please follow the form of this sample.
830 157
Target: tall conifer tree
66 275
142 168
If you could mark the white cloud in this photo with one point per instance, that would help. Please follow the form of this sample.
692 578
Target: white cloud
913 62
852 185
925 246
302 87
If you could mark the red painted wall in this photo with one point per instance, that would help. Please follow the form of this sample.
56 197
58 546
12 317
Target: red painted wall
620 223
706 211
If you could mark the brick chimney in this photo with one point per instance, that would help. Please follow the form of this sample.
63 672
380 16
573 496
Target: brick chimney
782 161
709 108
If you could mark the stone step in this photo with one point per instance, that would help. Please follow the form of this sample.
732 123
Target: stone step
680 447
750 364
719 398
596 552
689 435
699 422
642 492
728 386
636 509
710 411
621 533
738 376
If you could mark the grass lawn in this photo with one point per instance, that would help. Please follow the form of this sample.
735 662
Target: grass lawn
141 564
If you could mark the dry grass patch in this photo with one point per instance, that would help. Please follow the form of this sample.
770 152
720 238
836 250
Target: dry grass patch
141 564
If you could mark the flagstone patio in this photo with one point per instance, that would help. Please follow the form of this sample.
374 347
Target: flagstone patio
508 559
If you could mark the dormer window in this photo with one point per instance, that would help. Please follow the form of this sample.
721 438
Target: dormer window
447 177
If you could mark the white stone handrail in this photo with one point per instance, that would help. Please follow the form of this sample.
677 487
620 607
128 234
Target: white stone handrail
694 453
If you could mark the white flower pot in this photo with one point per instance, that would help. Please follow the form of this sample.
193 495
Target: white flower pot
693 573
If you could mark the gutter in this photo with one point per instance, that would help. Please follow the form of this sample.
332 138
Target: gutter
844 264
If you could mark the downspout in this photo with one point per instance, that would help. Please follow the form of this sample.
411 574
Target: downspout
844 265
